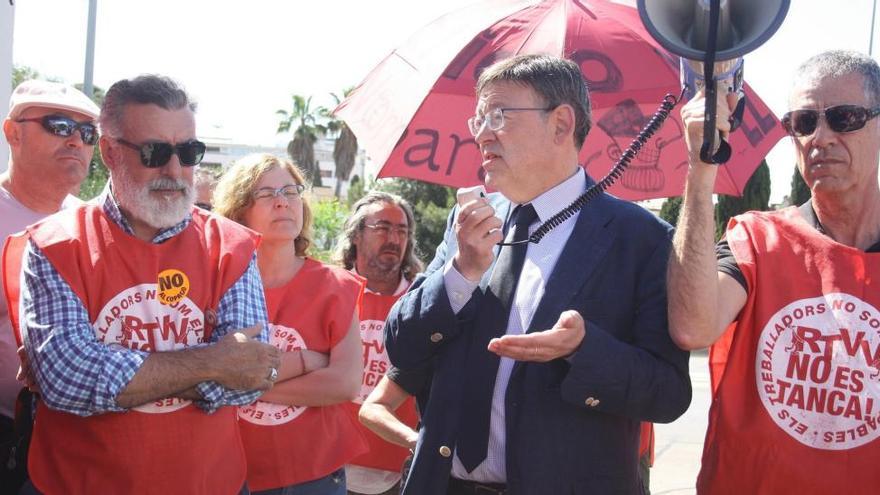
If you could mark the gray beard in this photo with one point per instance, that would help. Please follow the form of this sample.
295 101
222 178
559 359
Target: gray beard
382 272
159 213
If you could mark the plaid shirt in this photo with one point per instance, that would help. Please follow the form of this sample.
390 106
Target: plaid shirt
79 375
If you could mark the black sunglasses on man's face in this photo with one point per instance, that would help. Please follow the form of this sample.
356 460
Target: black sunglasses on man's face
840 118
62 126
155 155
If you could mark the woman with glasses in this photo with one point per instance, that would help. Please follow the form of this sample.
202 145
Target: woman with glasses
298 436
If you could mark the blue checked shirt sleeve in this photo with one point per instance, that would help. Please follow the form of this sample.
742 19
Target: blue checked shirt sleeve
242 306
75 373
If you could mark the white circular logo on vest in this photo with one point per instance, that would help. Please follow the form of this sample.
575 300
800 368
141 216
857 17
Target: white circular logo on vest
818 371
135 319
376 361
267 413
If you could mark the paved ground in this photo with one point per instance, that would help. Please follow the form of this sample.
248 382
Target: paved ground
679 445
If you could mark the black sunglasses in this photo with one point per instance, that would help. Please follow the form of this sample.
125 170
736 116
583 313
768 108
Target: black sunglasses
840 118
155 155
62 126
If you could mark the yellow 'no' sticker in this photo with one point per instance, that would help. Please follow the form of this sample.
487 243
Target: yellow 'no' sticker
173 286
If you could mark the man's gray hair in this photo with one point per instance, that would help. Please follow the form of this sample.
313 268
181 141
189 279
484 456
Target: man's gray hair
346 250
839 63
144 89
555 79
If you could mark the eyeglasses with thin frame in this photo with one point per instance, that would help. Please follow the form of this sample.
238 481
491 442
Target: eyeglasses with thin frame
157 154
62 126
385 228
494 119
290 192
840 118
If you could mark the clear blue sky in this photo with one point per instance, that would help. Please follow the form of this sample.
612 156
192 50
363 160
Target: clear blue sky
243 60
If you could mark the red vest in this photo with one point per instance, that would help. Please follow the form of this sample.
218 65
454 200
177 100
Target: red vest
13 250
382 454
151 297
646 441
286 445
797 403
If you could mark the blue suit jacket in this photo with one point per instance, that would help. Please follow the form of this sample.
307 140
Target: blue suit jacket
572 425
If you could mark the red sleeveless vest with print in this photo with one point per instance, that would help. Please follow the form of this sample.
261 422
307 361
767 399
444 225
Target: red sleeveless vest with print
796 408
151 297
13 250
382 454
286 445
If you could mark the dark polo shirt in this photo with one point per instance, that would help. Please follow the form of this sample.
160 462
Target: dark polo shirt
727 262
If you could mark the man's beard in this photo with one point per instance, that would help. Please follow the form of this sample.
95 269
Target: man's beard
159 213
383 268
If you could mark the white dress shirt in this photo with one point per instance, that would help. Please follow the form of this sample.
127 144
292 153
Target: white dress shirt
540 260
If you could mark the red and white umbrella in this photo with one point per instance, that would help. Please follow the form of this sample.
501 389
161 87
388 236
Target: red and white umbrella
410 113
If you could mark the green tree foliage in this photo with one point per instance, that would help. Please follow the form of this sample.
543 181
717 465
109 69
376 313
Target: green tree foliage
430 226
671 209
23 73
416 191
800 192
97 178
356 190
97 93
327 218
431 204
303 119
98 173
756 197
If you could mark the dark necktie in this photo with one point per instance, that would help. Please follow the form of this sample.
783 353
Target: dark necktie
482 365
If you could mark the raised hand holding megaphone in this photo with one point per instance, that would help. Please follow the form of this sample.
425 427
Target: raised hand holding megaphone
693 118
711 36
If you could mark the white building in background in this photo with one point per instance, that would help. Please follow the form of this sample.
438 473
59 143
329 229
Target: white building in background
324 157
222 151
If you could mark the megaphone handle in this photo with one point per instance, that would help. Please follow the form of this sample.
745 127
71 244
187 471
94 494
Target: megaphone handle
709 132
736 117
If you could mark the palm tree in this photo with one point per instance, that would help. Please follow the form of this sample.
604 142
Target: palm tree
346 146
302 147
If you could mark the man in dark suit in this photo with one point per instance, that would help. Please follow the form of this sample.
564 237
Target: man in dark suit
545 358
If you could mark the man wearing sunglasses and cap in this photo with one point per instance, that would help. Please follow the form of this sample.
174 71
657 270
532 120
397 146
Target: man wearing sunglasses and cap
51 130
143 317
789 301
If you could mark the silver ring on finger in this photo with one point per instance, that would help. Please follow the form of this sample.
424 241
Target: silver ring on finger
273 374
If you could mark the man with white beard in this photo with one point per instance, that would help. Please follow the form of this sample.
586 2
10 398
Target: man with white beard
143 317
